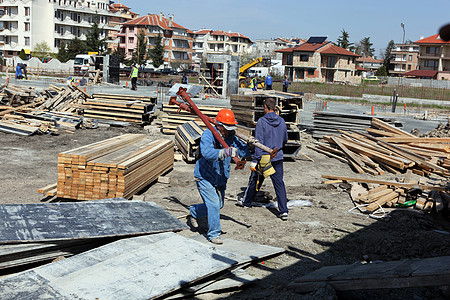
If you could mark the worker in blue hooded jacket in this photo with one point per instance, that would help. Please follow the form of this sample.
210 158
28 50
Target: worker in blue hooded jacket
271 131
212 171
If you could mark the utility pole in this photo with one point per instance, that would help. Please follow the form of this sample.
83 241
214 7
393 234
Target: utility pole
403 46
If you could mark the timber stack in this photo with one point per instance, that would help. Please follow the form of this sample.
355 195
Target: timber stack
116 167
248 109
125 108
187 139
173 117
386 148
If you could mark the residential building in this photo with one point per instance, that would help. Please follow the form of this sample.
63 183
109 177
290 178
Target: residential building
434 55
122 15
208 41
177 40
404 58
369 63
318 60
29 22
267 48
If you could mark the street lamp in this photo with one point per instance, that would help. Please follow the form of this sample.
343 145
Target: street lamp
403 46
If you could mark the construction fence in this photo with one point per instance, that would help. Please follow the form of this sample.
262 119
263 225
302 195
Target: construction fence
357 91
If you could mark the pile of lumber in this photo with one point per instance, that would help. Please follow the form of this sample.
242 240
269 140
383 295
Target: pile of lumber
22 124
326 123
187 139
387 148
371 195
116 167
173 117
248 109
126 108
64 99
16 95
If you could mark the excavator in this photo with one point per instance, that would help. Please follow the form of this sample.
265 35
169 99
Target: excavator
244 81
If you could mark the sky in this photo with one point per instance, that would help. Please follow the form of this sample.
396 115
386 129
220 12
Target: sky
380 20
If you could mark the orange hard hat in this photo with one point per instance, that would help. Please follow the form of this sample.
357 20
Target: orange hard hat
226 116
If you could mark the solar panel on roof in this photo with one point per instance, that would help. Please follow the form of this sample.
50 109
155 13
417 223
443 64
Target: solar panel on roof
316 39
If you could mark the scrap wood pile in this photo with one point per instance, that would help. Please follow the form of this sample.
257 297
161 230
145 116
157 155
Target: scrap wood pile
126 108
187 139
173 117
369 195
64 99
385 148
116 167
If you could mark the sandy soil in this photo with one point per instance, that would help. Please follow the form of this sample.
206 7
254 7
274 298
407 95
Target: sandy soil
325 233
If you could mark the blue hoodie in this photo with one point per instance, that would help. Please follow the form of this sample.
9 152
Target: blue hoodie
270 131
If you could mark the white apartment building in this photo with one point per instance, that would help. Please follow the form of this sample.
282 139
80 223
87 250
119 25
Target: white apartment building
207 41
29 22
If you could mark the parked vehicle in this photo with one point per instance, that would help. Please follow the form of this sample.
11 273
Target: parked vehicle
167 71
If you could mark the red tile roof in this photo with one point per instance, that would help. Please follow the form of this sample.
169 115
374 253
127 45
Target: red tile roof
153 20
119 5
434 39
358 68
333 49
221 32
369 59
421 73
203 31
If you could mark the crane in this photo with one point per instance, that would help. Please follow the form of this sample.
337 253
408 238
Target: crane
243 80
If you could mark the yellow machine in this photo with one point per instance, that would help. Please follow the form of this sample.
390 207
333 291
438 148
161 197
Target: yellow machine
245 81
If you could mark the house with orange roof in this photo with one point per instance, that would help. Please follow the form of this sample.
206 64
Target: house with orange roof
122 14
208 41
434 57
369 63
318 60
176 39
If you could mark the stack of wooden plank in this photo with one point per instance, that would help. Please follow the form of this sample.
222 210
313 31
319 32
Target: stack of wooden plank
371 195
249 108
116 167
127 108
16 95
23 124
326 123
388 148
187 139
172 118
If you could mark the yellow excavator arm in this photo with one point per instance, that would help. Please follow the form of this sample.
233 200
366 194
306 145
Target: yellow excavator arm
243 81
249 65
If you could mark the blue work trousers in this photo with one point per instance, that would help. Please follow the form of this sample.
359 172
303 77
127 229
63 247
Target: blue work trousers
213 199
278 184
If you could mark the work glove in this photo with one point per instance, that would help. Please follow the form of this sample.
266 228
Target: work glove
228 152
253 166
252 140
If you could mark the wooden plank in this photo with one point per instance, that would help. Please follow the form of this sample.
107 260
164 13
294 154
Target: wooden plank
62 221
395 274
354 161
387 127
415 140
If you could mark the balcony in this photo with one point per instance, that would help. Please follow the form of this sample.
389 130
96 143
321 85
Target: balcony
429 55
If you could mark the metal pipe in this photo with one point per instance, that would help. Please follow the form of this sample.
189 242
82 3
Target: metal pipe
183 94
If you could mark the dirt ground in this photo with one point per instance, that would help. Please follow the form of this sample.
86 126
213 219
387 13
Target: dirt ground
323 234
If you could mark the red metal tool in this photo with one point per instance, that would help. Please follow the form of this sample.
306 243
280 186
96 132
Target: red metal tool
185 107
184 95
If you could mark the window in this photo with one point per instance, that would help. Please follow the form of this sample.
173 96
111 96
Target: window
27 26
131 40
304 57
27 41
310 72
432 50
300 73
410 57
27 11
431 64
409 67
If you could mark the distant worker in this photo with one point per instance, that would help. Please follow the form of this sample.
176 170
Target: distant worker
254 83
212 171
271 131
134 76
285 83
185 79
268 82
18 71
24 71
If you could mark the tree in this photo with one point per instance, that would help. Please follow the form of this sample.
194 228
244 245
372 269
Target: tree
387 57
63 54
42 50
120 52
364 47
343 41
75 46
157 52
139 54
381 71
93 41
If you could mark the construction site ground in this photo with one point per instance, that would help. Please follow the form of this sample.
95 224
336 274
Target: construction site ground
325 233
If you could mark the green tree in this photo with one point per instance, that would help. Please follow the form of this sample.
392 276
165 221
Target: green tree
343 41
388 56
93 41
42 50
364 47
76 46
157 52
381 71
120 52
63 54
139 54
